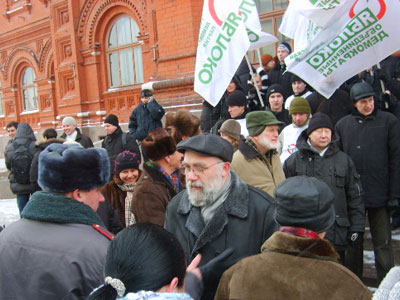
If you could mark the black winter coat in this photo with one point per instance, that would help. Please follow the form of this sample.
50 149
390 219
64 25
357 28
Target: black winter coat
278 75
114 146
24 136
34 172
337 170
373 143
82 139
244 221
145 118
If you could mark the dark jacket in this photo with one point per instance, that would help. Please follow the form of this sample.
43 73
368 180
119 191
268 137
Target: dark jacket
24 136
110 217
82 139
114 145
373 143
244 221
337 170
278 75
53 252
40 146
292 268
284 117
145 118
152 195
336 107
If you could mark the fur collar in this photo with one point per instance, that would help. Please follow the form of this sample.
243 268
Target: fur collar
44 143
57 208
300 246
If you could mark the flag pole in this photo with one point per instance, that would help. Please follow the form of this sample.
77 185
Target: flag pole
252 76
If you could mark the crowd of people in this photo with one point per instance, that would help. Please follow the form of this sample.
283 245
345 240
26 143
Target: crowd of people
266 196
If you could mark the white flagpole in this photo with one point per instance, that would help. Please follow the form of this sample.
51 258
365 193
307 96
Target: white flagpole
252 76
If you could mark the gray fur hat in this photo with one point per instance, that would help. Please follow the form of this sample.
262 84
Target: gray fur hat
65 168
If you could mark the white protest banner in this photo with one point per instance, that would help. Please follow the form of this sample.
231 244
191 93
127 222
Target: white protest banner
362 37
223 43
257 37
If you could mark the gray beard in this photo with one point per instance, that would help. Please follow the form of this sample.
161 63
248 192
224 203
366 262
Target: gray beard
267 144
207 195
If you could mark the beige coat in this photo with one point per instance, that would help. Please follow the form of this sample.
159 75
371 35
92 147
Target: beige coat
292 268
261 171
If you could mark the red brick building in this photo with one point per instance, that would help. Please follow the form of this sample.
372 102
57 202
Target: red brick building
89 58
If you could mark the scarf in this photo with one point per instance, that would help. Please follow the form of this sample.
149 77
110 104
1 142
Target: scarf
172 178
301 232
129 189
57 208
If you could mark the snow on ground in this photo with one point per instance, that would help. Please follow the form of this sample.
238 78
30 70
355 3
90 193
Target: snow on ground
8 211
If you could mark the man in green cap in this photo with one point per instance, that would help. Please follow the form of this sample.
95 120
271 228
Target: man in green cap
257 162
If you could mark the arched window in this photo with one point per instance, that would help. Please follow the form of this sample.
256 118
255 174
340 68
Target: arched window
29 90
124 53
1 102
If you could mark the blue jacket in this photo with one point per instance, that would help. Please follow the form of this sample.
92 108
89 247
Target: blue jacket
145 118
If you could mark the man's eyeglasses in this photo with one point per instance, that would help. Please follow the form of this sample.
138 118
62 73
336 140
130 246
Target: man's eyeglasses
197 169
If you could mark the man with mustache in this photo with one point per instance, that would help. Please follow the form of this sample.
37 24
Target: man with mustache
217 210
257 162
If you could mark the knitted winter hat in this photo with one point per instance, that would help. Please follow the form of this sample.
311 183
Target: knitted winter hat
112 119
126 160
299 105
256 121
285 46
296 78
237 98
274 88
158 144
231 128
69 121
305 202
65 168
319 120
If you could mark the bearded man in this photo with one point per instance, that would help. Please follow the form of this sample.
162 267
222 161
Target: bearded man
218 210
257 162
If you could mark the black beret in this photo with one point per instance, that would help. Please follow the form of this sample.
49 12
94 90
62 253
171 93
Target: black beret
208 145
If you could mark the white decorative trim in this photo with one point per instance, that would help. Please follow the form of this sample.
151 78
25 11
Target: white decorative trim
101 113
83 114
28 112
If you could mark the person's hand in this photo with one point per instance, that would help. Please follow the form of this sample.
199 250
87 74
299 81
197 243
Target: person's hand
354 237
194 267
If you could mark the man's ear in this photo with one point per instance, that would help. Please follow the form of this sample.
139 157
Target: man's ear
76 194
226 169
173 284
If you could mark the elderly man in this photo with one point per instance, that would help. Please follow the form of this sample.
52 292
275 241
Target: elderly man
371 137
320 157
296 262
217 210
57 250
300 112
72 133
257 161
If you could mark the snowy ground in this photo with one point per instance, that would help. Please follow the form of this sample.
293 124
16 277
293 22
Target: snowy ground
8 211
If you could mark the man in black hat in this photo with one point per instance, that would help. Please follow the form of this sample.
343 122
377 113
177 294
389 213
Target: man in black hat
217 210
318 156
146 117
57 250
296 262
117 141
371 138
300 89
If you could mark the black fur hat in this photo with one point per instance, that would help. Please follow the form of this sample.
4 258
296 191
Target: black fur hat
65 168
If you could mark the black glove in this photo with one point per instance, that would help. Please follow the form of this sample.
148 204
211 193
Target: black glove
213 270
381 75
354 237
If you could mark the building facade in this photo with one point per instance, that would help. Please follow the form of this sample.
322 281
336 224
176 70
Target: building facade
89 58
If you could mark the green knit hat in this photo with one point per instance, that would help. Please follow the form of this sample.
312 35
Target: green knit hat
299 105
256 121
